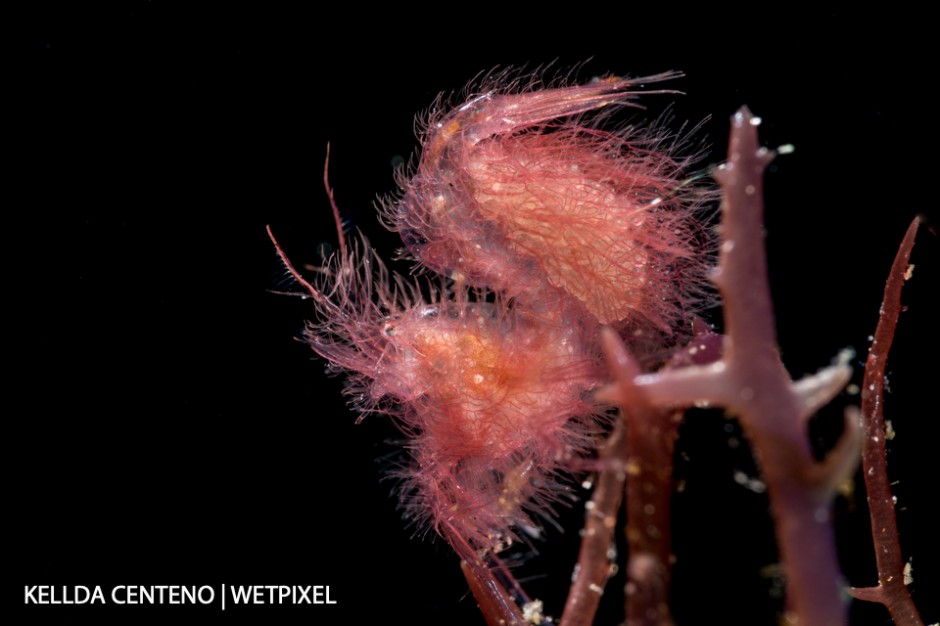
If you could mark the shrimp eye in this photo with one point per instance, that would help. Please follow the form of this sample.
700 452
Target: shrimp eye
413 239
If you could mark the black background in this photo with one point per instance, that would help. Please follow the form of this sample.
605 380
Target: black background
163 425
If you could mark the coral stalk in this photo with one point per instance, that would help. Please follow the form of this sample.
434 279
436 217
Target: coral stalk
594 564
771 413
751 382
891 590
648 449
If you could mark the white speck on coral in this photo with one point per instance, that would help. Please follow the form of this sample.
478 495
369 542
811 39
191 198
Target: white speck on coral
532 612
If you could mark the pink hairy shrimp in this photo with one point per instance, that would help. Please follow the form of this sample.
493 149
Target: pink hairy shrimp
495 401
508 196
542 226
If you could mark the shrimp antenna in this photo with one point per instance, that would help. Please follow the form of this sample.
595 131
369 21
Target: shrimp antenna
314 293
329 192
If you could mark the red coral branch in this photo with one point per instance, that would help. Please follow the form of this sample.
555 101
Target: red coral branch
639 454
594 563
891 590
498 608
648 450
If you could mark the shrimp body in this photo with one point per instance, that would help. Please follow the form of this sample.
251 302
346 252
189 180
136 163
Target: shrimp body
495 399
497 404
505 198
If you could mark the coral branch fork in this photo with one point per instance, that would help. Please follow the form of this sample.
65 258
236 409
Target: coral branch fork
751 383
